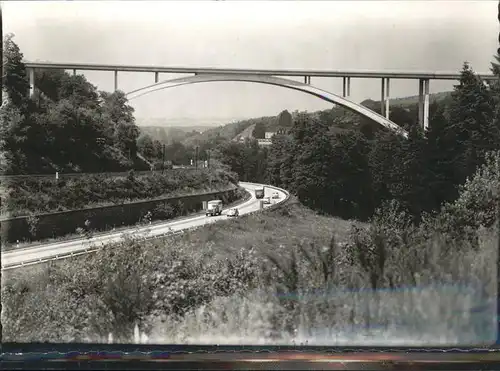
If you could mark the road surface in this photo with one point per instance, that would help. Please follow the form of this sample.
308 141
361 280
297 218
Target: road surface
41 253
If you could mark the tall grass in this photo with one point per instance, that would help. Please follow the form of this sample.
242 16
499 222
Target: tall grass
279 277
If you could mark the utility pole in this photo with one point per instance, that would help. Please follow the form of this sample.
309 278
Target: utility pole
208 158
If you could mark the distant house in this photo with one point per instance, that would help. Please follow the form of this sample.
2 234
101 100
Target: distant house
282 131
264 142
269 134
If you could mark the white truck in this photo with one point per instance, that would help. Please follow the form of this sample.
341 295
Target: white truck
214 207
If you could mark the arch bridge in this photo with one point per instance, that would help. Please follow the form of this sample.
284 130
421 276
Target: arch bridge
275 77
276 81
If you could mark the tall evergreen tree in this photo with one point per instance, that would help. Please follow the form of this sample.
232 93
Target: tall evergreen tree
471 117
441 152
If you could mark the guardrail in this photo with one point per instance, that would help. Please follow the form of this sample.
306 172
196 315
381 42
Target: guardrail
273 206
91 249
83 251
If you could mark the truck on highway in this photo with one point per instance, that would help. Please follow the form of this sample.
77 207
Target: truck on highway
259 193
214 207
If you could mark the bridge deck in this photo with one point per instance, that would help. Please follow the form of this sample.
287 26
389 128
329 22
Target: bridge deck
229 71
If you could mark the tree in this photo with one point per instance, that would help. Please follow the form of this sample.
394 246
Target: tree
441 152
259 131
350 180
413 191
49 83
312 166
384 162
471 115
276 159
15 80
119 114
285 119
148 147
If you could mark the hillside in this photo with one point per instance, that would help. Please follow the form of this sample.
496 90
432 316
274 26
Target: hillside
343 119
403 112
168 135
228 131
444 96
247 133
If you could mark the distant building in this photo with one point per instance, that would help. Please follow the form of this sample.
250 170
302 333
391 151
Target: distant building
282 131
264 142
269 134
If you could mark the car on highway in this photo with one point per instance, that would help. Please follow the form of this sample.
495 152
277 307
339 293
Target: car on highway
276 195
267 200
234 212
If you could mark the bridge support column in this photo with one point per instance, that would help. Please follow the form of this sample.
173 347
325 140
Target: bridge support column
384 97
116 80
74 72
346 87
423 103
31 73
426 104
307 80
157 75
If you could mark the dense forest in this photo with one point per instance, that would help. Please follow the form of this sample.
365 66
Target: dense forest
341 164
66 126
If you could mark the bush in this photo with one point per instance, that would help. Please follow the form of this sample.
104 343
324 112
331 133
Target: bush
273 278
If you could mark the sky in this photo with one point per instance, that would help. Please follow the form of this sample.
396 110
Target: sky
405 35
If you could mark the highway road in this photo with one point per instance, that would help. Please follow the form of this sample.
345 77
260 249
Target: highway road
58 250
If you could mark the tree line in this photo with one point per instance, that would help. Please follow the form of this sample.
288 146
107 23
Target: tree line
67 125
343 165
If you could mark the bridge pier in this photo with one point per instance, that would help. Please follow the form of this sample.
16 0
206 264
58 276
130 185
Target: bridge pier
384 97
307 80
116 80
423 103
346 87
31 73
74 72
157 76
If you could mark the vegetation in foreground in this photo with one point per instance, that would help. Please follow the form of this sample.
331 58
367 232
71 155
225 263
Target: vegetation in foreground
276 277
30 196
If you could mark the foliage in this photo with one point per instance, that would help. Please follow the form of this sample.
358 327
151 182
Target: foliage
15 79
247 159
214 280
259 131
66 126
49 195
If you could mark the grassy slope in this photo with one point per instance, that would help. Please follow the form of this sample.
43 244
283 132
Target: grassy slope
208 246
407 101
212 285
49 195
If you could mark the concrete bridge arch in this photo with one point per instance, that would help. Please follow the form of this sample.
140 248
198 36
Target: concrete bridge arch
276 81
